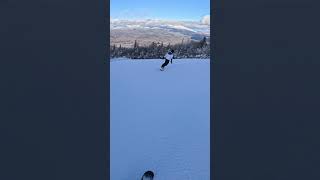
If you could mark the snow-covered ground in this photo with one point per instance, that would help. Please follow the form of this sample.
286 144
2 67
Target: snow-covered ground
160 120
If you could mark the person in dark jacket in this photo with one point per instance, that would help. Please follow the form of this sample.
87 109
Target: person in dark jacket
168 58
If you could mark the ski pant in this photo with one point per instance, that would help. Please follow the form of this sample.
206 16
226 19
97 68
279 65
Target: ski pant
165 63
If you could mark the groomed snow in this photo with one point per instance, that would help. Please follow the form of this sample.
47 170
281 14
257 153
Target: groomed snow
160 119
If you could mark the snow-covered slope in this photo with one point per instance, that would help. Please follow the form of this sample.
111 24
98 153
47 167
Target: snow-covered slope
160 119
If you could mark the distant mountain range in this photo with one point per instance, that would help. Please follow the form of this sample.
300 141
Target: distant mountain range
125 32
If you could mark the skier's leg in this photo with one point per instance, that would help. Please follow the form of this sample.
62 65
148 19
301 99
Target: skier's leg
165 63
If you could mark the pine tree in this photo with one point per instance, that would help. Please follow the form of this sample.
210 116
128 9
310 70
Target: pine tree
135 46
185 49
203 42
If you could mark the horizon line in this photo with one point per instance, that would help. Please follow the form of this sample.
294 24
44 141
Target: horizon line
154 19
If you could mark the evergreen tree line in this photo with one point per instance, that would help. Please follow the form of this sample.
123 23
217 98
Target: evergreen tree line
191 49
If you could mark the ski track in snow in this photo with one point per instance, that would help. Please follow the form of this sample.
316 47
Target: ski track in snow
160 120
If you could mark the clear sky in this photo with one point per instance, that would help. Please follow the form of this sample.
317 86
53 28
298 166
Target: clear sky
159 9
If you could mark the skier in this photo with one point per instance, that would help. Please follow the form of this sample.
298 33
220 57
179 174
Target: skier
168 58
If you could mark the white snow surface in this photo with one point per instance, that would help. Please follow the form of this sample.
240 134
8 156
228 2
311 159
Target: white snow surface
160 120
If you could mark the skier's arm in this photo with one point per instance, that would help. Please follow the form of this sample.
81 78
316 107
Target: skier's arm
171 59
164 57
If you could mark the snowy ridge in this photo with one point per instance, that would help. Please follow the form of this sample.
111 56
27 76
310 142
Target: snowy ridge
126 32
192 26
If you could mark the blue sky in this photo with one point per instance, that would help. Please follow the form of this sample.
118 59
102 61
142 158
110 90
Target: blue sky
159 9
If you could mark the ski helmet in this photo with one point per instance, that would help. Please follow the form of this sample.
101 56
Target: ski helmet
148 175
